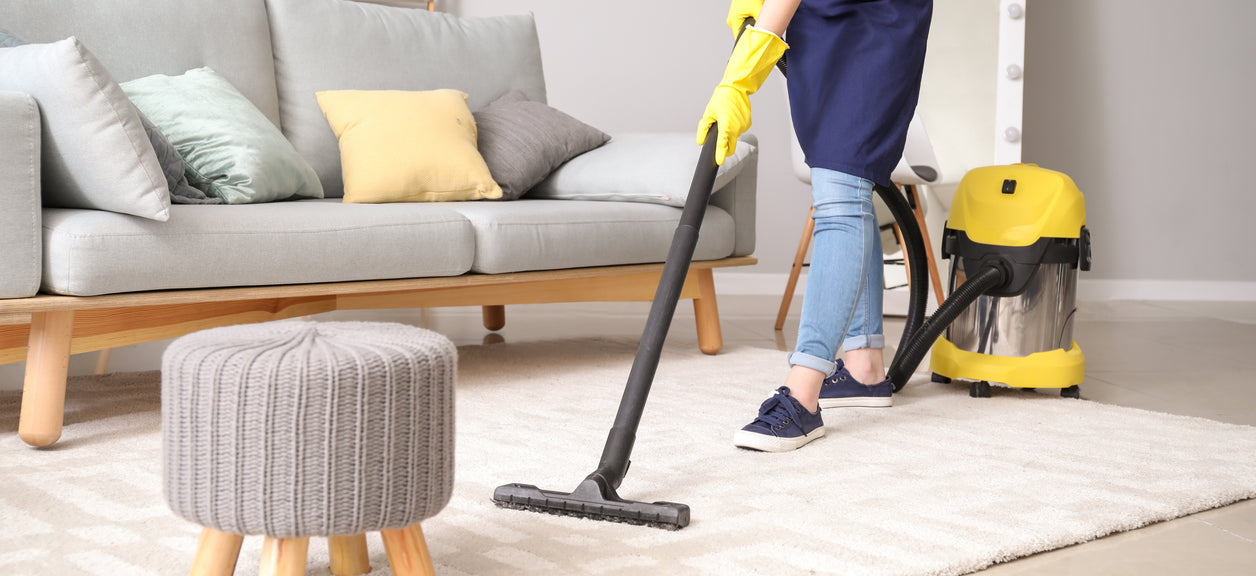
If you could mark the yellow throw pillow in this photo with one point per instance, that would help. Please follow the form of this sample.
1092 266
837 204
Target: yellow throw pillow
398 146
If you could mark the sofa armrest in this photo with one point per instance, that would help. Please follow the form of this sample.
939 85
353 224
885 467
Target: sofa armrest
21 237
738 199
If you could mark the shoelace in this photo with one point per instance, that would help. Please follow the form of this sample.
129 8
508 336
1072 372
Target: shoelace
778 411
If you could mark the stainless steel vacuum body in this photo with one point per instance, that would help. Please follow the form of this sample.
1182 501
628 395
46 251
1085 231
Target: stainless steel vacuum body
1029 223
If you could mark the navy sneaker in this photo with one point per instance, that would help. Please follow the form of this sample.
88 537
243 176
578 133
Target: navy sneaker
782 425
842 390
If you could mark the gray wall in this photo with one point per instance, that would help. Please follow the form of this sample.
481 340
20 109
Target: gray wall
1148 105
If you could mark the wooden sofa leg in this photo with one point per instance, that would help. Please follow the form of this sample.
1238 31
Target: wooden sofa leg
707 313
494 317
47 364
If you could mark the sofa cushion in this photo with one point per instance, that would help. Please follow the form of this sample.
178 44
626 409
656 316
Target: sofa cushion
554 234
400 146
655 167
523 141
95 152
88 252
136 38
339 45
230 149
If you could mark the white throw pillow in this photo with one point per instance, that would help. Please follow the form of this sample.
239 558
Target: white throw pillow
95 152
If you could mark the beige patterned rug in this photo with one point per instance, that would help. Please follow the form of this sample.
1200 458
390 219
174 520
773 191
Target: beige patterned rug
939 484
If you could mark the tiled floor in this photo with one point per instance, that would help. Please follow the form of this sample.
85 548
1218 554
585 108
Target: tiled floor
1184 358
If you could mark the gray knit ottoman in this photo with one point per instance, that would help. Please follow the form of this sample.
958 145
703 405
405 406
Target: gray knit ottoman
295 429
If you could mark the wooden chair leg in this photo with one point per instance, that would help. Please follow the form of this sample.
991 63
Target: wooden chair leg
284 556
494 317
348 555
898 233
47 364
216 554
932 263
407 552
804 243
707 313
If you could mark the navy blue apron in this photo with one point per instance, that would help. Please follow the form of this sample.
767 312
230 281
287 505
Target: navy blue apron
854 79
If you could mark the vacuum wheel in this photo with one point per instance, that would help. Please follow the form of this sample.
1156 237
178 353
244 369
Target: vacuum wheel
979 389
940 379
1071 392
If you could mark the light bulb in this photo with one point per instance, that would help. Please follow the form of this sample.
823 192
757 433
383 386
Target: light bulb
1015 11
1011 134
1013 72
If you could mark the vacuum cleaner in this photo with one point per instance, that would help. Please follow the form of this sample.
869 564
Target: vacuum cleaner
1030 224
1016 238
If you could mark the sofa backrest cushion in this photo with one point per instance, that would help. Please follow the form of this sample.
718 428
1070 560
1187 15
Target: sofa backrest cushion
323 45
136 38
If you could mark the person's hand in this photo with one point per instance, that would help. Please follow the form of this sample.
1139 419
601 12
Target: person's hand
748 67
739 10
729 109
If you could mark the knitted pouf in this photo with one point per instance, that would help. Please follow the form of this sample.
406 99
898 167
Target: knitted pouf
295 429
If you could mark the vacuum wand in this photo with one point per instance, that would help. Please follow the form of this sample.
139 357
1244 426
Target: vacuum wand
595 496
614 463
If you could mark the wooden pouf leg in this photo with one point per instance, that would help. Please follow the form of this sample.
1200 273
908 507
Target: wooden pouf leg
348 555
407 552
284 556
216 553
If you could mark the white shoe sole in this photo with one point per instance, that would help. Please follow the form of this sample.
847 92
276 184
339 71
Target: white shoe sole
765 443
864 402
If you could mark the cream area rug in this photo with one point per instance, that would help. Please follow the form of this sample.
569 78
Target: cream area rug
939 484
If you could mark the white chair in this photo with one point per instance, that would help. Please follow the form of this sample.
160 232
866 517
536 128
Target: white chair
918 167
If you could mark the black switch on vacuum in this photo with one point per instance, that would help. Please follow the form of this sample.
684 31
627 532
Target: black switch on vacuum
1009 186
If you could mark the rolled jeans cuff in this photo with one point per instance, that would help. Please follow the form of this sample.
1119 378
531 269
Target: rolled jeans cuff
828 367
864 341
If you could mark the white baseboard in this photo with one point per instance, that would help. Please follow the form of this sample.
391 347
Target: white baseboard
757 284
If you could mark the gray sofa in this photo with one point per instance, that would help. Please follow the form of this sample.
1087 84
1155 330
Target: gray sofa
75 280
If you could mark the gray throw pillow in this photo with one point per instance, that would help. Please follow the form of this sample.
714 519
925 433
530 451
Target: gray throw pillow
95 153
522 141
645 167
231 150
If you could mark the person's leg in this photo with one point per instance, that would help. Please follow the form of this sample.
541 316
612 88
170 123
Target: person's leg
843 214
865 340
843 242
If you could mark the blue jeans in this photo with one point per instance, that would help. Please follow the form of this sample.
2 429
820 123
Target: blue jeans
843 300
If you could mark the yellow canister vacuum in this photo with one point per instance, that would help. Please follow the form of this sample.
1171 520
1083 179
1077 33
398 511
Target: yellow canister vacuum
1016 238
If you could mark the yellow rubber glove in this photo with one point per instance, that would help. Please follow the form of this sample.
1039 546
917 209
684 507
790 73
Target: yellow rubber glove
739 10
752 60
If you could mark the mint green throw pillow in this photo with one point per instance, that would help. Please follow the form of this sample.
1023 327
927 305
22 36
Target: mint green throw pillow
230 149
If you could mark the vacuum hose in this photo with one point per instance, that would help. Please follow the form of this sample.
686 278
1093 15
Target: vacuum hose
908 358
918 270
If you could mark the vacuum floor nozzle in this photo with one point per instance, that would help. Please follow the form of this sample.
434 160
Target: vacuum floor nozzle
593 500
